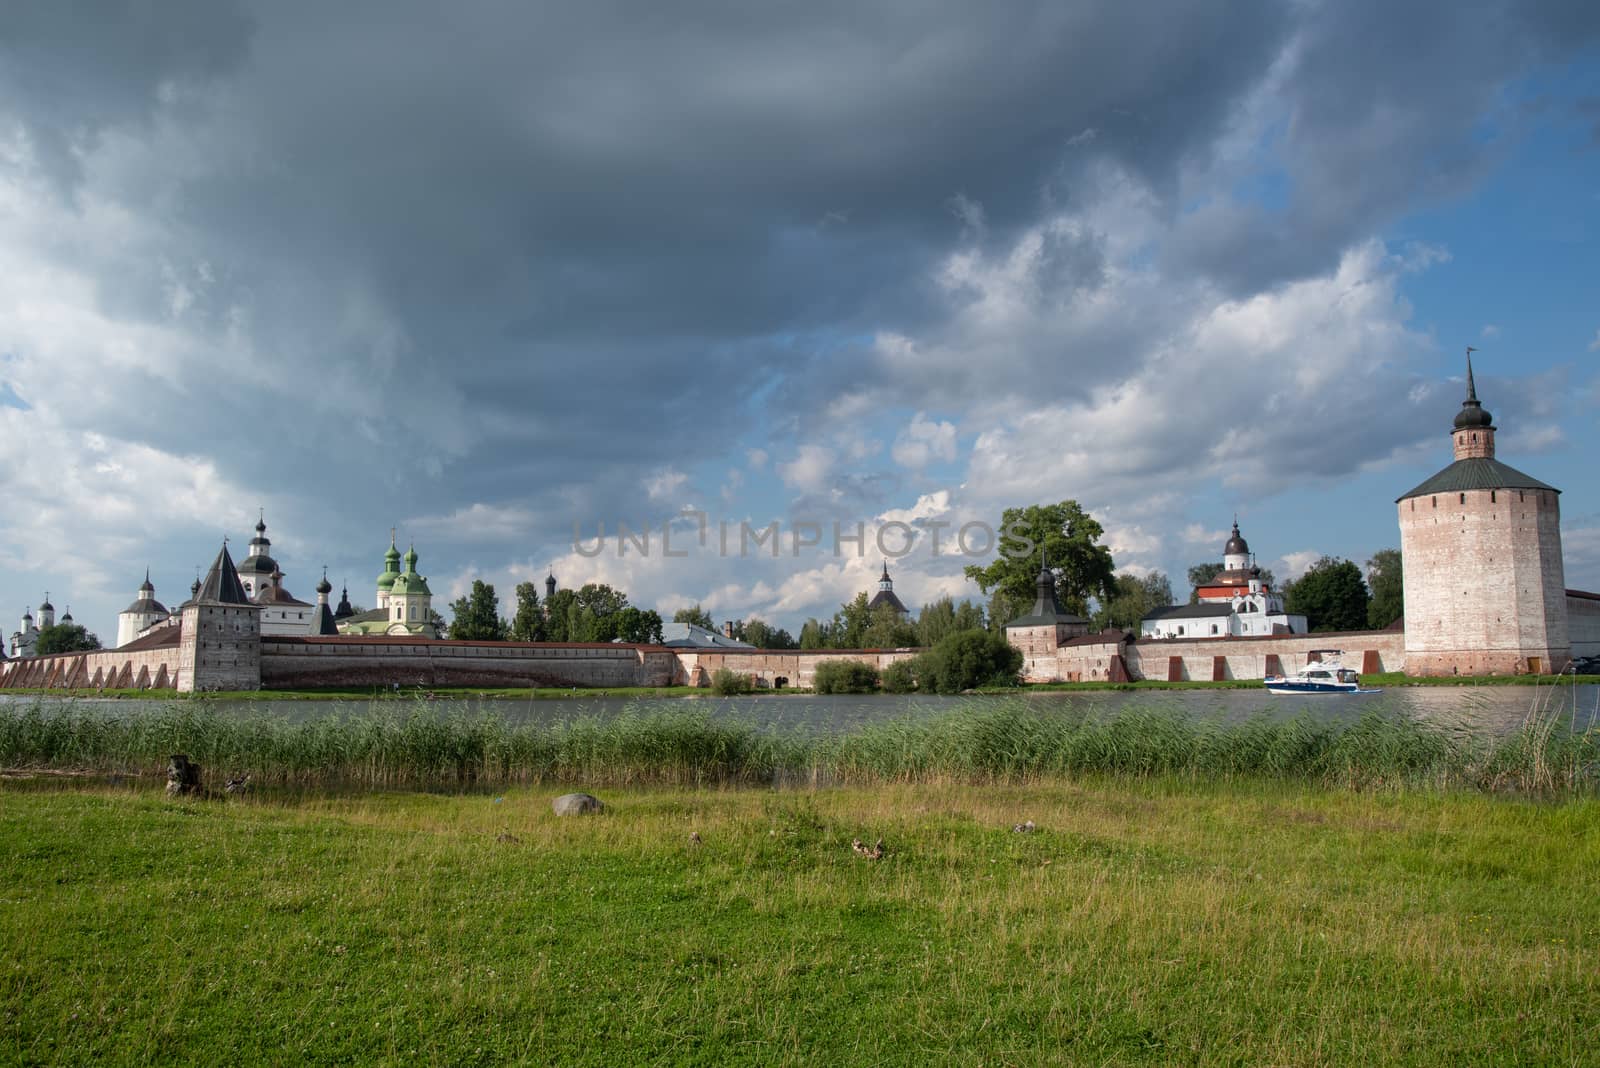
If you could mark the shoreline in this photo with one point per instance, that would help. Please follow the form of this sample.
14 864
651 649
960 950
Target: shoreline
657 693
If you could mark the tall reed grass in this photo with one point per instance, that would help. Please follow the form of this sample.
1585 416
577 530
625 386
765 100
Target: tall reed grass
418 746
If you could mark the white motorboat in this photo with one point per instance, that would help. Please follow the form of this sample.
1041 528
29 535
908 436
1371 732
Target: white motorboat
1319 676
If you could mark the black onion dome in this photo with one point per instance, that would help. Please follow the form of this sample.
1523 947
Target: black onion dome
1472 415
1236 545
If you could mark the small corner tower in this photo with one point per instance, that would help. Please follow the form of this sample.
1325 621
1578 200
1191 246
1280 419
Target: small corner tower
1041 632
886 594
1480 544
220 643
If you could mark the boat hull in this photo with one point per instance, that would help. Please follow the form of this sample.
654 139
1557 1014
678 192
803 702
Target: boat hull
1289 687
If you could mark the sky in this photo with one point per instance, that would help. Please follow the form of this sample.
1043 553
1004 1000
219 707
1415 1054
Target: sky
504 276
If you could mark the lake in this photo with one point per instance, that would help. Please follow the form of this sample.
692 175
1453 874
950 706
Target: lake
1494 709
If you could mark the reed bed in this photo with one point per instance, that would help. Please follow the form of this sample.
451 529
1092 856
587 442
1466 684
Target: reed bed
989 741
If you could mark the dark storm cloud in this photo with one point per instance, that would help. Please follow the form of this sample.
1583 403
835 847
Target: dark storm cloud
575 230
436 255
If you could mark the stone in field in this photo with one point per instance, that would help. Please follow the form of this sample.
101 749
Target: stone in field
576 804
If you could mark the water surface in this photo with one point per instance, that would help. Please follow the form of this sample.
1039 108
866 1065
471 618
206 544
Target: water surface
1494 709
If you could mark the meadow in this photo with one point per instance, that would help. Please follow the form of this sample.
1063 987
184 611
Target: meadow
394 888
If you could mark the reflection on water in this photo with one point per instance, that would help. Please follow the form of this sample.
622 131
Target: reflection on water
1477 708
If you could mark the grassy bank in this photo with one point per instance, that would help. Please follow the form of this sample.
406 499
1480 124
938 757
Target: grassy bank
429 746
1151 921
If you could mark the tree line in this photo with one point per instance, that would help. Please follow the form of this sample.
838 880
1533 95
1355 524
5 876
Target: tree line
1333 594
592 613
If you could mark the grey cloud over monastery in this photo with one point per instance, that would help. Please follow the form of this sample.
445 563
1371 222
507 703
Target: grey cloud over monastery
369 263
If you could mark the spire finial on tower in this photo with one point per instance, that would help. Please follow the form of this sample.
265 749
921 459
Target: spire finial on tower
1472 416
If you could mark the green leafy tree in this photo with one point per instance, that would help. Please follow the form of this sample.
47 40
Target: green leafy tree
1332 595
888 629
528 624
844 676
850 623
815 634
1003 608
726 682
477 615
1135 598
943 616
636 626
594 613
762 635
899 677
696 615
967 659
558 614
1070 538
1387 577
64 638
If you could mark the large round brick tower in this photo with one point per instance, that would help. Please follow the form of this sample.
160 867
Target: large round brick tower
1481 548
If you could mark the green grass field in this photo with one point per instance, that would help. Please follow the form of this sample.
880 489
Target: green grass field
1149 920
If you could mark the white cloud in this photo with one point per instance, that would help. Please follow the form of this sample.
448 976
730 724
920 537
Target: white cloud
756 458
1292 565
1490 330
810 468
923 441
1199 534
478 522
665 484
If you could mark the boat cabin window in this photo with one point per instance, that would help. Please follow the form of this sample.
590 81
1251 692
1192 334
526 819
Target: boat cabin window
1316 674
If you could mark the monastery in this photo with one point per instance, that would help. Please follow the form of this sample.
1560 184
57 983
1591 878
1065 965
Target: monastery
1480 544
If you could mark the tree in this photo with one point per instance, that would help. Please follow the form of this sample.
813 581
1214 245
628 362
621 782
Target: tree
888 629
844 676
558 616
477 615
1003 608
1386 576
1070 540
943 616
966 659
762 635
64 638
1331 595
850 623
635 625
528 624
1135 598
593 613
815 634
696 615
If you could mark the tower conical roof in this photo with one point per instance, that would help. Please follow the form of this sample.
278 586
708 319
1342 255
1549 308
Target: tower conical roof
222 585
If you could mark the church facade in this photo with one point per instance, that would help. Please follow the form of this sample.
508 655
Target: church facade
1236 603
